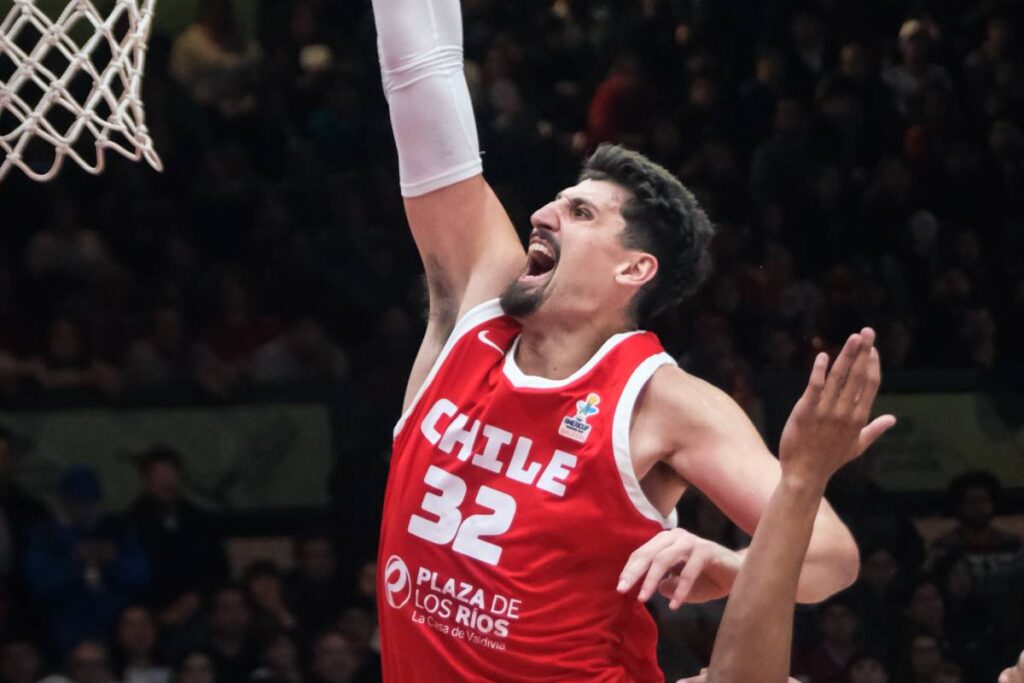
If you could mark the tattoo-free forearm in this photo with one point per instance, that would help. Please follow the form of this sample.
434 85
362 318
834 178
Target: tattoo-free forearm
754 639
832 560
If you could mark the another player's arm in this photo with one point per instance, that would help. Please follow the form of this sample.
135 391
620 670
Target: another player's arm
468 245
711 444
825 432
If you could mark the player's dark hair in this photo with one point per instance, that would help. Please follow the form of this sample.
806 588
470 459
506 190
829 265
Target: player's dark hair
663 219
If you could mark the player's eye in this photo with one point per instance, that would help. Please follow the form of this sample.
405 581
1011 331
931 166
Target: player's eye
580 212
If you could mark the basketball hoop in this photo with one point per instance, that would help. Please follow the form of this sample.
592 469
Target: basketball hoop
79 95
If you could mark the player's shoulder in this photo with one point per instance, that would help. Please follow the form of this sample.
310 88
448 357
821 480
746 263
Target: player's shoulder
685 403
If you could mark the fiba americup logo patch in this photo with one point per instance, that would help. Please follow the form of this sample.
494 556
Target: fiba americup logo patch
575 427
397 583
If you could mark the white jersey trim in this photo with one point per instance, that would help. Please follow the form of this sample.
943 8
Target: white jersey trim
479 314
620 439
521 380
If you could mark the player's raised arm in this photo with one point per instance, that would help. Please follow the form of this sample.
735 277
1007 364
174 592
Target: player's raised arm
469 248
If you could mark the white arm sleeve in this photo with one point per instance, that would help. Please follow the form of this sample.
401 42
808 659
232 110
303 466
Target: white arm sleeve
420 47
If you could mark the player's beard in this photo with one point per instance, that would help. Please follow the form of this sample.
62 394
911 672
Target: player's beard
520 301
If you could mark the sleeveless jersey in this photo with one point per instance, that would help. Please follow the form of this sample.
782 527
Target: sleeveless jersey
511 508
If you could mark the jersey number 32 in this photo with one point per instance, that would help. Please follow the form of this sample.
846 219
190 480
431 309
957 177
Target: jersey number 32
466 536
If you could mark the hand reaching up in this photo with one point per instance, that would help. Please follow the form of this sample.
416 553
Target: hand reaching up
829 424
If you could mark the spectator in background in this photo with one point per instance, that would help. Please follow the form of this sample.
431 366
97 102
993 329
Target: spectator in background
759 96
19 662
65 250
867 667
233 335
827 662
303 353
875 597
280 661
69 361
333 659
232 648
924 658
181 540
947 673
973 634
196 667
982 66
312 590
270 612
619 109
88 662
135 647
163 354
85 567
359 625
974 499
809 53
916 74
214 63
924 610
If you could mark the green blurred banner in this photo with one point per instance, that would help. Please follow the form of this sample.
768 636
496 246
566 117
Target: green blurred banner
940 435
235 457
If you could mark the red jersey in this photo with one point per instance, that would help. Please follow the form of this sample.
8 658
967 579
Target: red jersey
511 508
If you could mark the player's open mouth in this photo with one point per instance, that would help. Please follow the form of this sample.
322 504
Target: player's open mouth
541 259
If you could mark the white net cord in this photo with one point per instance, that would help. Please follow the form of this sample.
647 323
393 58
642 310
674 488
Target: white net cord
46 71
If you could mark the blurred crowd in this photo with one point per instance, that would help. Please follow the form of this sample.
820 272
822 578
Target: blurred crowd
947 610
146 594
863 163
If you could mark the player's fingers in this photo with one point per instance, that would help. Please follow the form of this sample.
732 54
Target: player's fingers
871 433
870 389
691 572
841 368
858 376
816 384
639 561
679 551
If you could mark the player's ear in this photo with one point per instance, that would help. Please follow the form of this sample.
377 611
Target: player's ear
638 270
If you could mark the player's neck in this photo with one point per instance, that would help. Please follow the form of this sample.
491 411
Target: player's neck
555 352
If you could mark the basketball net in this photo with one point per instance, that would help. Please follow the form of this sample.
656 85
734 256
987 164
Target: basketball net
79 95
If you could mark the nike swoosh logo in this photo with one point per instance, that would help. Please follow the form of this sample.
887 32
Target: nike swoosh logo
482 336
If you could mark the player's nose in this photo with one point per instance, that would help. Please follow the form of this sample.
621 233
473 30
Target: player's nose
546 217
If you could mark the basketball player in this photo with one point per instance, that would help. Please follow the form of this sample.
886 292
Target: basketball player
543 438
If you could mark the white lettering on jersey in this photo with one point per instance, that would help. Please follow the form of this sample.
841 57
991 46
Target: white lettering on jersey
549 477
496 438
456 434
553 479
443 408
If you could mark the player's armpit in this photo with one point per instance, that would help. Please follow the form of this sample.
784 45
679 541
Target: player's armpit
469 247
710 442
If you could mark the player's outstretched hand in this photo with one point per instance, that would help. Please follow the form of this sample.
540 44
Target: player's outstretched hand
682 567
1015 674
829 424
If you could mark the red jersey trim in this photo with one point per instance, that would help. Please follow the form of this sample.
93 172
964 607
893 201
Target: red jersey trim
620 439
479 314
